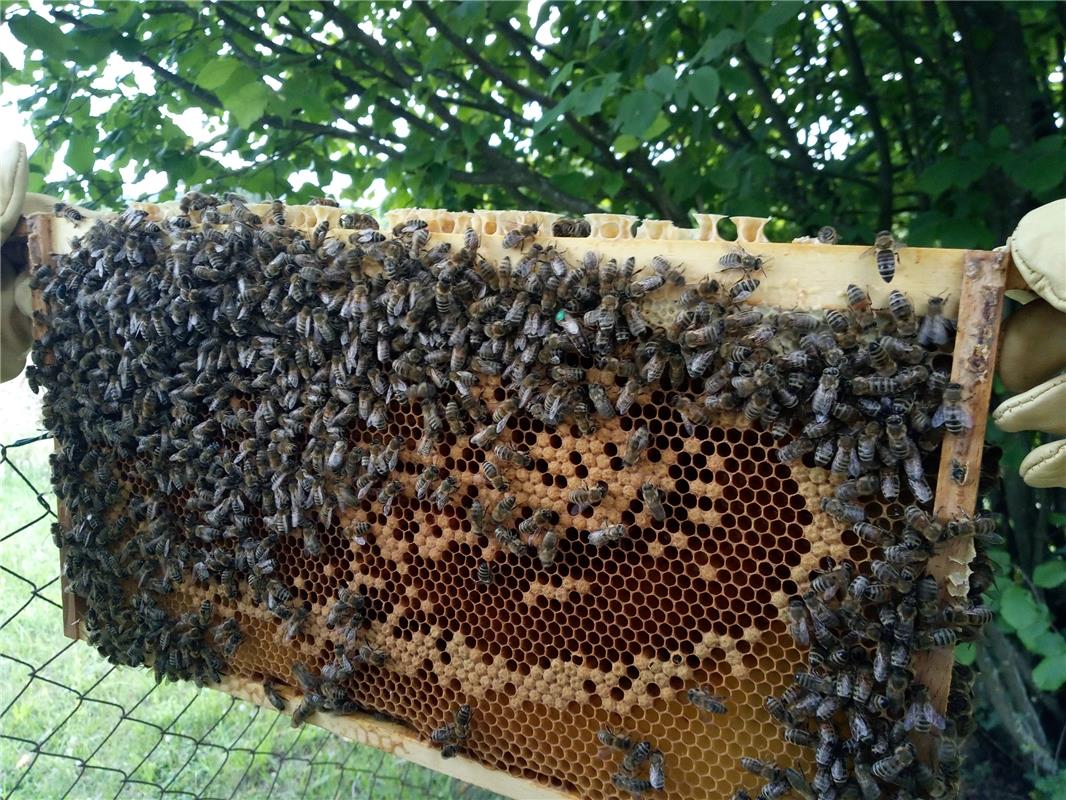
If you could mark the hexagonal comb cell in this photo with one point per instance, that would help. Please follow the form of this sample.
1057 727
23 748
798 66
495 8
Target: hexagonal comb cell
564 624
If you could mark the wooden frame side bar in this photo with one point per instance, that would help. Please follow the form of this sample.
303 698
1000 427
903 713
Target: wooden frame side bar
980 315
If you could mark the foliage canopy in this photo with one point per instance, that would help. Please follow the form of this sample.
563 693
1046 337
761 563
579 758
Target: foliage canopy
943 119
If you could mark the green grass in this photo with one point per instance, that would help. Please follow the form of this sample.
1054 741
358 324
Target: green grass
72 725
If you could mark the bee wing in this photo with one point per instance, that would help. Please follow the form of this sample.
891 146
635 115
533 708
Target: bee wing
938 417
964 416
934 717
914 716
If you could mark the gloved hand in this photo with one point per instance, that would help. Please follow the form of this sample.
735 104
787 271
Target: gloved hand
16 302
1033 349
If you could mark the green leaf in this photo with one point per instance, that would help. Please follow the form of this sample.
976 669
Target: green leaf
776 16
36 32
717 44
965 653
661 81
217 72
637 111
760 47
1050 574
662 122
1018 607
277 11
560 77
624 143
1050 674
80 154
248 104
704 84
590 98
1000 137
94 46
999 557
1039 172
612 182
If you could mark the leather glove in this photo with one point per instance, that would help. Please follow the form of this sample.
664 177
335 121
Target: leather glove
1033 349
16 301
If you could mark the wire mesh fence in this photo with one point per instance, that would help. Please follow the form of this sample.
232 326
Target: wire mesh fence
74 726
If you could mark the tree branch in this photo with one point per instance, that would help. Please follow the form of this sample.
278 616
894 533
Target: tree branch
777 116
884 151
903 40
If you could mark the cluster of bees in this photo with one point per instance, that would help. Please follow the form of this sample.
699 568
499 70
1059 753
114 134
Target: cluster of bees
858 704
637 754
257 368
452 736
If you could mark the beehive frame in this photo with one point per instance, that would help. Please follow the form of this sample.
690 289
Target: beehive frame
806 276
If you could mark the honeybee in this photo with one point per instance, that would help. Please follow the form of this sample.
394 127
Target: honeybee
504 508
825 394
740 259
881 360
899 305
951 414
450 750
493 476
295 624
67 212
829 584
477 517
627 783
704 700
547 548
934 330
924 523
764 769
445 733
463 715
859 303
937 637
743 289
845 512
649 493
637 755
638 442
797 617
609 738
444 492
706 290
645 285
576 228
484 573
272 694
425 481
371 655
607 535
827 234
886 254
485 437
516 238
509 454
890 767
311 703
794 450
657 771
588 496
854 489
800 737
707 336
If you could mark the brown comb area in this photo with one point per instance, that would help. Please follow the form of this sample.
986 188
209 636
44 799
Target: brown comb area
612 637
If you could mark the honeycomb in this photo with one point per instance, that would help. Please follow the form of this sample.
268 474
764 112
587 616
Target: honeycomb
608 637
